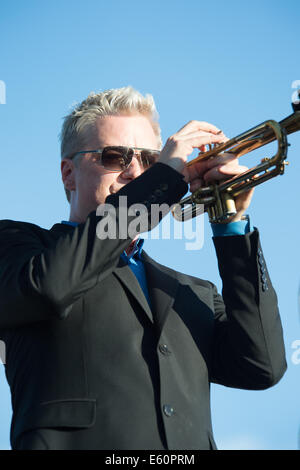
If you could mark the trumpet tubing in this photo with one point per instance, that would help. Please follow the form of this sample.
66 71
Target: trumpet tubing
219 198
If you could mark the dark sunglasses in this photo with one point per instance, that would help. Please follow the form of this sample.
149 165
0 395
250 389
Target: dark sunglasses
118 158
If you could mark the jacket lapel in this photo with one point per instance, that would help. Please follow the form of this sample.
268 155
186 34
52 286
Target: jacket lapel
162 289
130 282
161 286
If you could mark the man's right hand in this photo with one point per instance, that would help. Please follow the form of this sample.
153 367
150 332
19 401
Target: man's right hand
195 134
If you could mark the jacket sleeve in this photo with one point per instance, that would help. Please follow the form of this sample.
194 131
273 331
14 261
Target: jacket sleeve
41 280
248 348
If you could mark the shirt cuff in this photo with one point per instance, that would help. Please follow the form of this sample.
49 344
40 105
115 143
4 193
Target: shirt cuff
240 227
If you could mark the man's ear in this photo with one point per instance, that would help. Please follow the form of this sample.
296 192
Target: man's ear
68 174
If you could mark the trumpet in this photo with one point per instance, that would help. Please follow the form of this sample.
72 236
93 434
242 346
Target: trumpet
218 198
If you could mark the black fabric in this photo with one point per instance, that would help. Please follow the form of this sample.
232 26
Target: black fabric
90 366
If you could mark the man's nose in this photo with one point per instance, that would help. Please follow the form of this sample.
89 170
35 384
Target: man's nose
134 170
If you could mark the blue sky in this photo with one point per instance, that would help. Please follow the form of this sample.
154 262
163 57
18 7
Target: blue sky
229 63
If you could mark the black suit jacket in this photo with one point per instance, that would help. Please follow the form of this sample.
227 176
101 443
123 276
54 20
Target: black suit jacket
90 364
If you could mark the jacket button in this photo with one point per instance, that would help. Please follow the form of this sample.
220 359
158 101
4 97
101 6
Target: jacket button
264 286
158 193
168 410
164 349
261 261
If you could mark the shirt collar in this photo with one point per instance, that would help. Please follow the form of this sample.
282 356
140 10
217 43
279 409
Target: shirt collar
137 251
74 224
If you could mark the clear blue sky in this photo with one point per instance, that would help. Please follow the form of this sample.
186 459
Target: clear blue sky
229 63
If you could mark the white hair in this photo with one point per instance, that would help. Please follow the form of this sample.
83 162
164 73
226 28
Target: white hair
81 120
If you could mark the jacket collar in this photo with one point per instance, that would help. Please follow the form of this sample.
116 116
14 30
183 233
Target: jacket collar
130 282
162 288
162 285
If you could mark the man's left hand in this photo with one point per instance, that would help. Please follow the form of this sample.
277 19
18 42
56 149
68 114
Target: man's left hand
219 168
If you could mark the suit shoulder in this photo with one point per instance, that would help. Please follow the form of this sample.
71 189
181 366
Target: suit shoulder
194 280
13 226
185 278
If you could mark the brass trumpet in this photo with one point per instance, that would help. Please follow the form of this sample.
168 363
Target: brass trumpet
218 198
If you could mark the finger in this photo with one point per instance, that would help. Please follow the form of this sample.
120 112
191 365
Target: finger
195 184
200 140
203 166
180 148
199 126
243 201
221 159
185 137
232 168
220 173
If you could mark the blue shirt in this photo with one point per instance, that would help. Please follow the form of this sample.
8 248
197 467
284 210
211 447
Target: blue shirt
233 228
136 265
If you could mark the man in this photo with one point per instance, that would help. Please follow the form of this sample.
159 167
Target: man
107 349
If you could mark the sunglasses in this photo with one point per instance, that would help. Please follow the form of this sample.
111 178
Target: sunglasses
118 158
